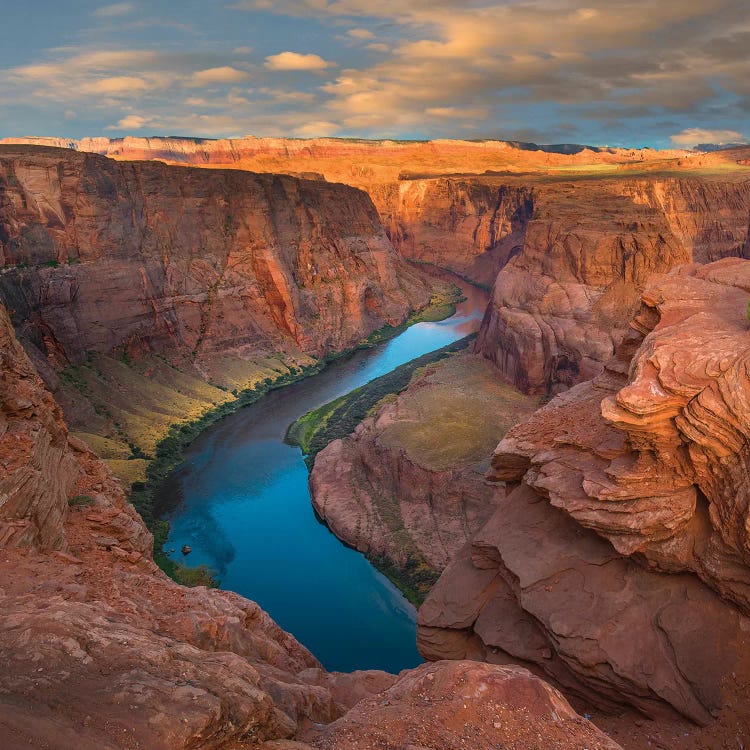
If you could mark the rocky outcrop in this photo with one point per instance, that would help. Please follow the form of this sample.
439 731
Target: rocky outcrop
36 469
407 487
618 565
101 650
453 705
191 263
561 305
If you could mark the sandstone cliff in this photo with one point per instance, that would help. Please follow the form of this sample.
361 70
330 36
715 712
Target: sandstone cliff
128 270
616 562
188 262
461 223
101 650
561 304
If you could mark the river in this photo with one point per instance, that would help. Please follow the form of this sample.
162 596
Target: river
241 501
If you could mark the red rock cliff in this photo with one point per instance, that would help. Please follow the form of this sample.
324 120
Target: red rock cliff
561 304
190 262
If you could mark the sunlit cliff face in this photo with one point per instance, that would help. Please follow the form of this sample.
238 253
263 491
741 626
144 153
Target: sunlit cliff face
547 70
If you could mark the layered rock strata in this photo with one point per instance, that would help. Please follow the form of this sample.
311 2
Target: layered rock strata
620 542
562 303
191 263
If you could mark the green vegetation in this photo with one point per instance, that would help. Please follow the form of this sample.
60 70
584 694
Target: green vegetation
168 452
80 501
313 431
414 578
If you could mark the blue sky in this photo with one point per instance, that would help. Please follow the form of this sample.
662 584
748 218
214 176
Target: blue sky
616 72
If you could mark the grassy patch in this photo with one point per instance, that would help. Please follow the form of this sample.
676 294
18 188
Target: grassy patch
80 501
128 470
313 431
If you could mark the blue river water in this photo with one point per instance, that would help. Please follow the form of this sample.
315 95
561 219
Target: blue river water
241 501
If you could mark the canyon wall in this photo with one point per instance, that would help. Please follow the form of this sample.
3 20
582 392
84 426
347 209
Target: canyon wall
36 471
147 293
575 235
561 304
191 263
616 562
100 649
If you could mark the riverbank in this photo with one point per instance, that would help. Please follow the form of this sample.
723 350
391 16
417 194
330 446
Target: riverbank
337 419
404 483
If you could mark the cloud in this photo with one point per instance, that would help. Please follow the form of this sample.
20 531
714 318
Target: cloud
116 86
360 34
131 122
297 61
224 74
319 129
114 10
453 113
691 137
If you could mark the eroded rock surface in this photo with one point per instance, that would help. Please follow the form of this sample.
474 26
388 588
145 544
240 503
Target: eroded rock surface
453 705
562 304
36 470
623 545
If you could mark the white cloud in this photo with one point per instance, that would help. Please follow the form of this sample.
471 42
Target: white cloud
297 61
319 129
691 137
225 74
131 122
115 9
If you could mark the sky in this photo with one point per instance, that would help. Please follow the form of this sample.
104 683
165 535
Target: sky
659 73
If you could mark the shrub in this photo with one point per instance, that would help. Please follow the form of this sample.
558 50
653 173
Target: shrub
80 501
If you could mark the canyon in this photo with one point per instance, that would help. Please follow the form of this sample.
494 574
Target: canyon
601 550
145 293
566 238
102 650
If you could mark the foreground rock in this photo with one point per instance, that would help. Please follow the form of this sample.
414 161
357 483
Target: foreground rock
454 705
407 487
101 650
630 493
